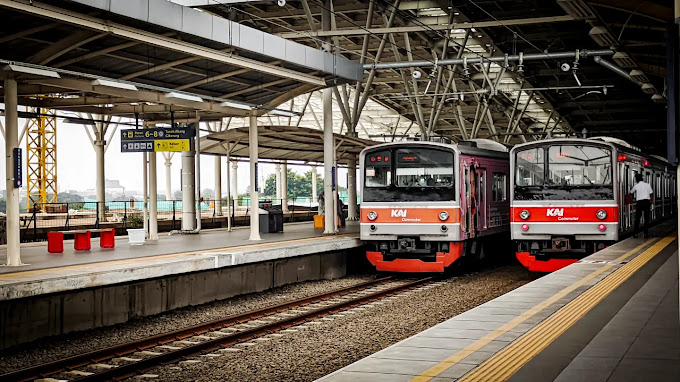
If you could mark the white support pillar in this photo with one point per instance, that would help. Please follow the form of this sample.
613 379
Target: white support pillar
218 185
284 186
234 180
153 197
99 149
145 188
278 182
254 195
314 185
188 191
330 219
197 173
168 177
352 210
12 142
228 193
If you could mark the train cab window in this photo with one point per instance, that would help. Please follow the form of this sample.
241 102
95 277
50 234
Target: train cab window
530 167
499 188
425 168
579 165
378 169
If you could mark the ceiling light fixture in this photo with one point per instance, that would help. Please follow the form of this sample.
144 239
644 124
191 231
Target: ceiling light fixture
31 70
114 84
184 96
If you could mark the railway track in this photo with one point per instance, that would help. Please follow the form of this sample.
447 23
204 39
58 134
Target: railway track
133 358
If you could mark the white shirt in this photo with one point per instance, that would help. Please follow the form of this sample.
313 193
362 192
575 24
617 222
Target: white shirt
642 191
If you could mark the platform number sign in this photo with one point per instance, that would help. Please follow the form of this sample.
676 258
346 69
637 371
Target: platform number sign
158 139
17 156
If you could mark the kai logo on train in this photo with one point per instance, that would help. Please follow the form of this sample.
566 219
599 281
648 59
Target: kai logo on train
555 212
398 213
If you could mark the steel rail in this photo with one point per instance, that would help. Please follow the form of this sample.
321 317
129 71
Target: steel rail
50 368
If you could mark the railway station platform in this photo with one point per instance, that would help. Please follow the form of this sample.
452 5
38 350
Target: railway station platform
612 316
75 290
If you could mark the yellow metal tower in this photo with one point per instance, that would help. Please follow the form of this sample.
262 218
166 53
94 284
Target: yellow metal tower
41 158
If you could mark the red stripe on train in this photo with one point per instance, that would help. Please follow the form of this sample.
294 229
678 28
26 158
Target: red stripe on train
564 214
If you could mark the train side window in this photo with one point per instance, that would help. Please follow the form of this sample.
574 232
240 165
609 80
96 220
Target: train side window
378 169
499 189
530 167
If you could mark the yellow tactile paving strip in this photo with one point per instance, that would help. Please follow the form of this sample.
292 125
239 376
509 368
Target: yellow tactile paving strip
169 256
506 362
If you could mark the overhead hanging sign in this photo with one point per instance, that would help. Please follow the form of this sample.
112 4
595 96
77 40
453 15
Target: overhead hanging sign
157 139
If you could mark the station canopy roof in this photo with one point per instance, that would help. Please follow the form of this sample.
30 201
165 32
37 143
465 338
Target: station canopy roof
279 143
174 49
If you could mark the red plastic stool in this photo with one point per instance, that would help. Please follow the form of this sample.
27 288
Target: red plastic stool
55 242
82 240
107 239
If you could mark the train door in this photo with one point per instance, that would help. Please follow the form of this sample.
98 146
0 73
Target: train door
468 201
627 199
482 212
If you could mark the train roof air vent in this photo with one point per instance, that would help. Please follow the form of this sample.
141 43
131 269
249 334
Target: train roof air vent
486 144
617 141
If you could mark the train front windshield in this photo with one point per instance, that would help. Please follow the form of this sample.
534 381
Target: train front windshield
564 172
409 174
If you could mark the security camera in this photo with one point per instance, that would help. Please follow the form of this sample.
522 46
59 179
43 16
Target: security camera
565 67
281 3
416 74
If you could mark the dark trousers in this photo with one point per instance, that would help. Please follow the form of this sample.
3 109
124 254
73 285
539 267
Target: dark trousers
642 207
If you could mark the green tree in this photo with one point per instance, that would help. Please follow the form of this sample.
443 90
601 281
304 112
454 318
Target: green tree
298 185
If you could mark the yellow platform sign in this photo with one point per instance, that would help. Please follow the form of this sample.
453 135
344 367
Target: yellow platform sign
171 145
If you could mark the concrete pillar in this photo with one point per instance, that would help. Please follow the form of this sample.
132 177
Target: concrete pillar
12 142
153 197
168 177
234 180
145 191
330 219
188 191
99 147
284 186
278 182
254 195
314 185
352 210
228 194
218 185
197 174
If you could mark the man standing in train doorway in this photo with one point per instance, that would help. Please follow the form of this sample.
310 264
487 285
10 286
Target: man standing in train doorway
643 193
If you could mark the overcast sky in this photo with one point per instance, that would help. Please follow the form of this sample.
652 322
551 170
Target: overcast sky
76 164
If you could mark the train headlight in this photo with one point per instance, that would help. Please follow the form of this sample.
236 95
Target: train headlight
443 215
601 214
602 227
524 215
525 227
372 215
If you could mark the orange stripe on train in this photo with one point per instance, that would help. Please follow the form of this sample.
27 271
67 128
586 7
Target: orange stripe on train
410 215
576 214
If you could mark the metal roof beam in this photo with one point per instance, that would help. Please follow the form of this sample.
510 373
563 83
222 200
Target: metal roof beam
421 28
138 95
130 33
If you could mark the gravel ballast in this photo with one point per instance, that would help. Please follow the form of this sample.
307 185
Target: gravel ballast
53 348
320 349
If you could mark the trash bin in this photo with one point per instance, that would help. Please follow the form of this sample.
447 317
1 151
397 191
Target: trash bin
271 221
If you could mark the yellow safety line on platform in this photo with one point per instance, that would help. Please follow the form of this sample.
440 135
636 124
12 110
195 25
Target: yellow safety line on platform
508 361
449 362
169 255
